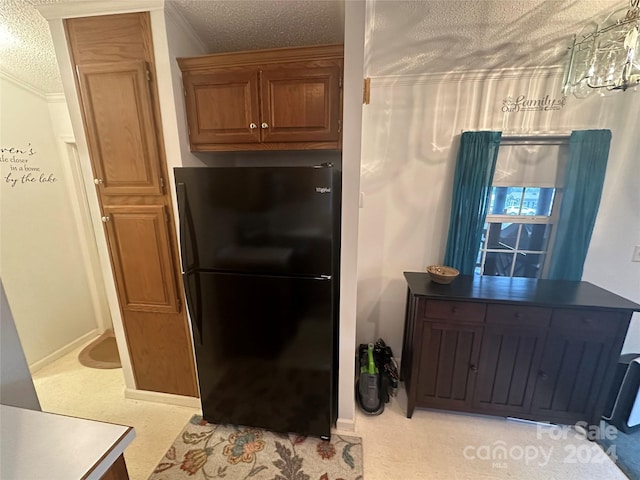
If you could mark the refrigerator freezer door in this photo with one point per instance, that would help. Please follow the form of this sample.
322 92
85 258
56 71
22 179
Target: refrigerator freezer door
265 357
266 220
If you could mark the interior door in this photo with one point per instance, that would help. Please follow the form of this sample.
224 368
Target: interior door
120 127
300 104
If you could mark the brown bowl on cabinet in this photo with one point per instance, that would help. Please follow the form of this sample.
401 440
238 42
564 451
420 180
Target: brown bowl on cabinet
442 274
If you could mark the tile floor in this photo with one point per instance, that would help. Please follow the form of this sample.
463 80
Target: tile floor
431 445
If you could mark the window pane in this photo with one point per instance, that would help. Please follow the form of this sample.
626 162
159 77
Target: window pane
499 236
528 265
537 201
513 200
534 236
498 264
521 201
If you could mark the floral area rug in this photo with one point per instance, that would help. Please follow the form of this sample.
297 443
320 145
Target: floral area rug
204 451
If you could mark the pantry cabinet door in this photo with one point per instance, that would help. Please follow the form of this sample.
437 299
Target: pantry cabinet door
120 127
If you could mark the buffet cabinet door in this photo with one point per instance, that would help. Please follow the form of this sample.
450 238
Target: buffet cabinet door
448 365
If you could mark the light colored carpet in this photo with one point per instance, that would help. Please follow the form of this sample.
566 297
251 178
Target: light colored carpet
429 446
203 451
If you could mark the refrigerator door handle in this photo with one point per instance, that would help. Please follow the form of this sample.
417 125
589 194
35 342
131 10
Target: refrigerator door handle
189 261
194 304
189 252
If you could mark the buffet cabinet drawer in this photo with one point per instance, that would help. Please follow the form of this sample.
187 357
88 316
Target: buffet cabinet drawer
458 311
518 315
604 323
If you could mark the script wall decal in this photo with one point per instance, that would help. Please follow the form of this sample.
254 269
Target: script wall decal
523 104
19 167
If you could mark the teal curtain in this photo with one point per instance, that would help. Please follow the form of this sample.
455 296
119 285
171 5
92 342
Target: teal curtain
475 167
584 177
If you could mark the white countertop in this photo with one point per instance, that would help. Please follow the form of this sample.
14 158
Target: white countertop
36 445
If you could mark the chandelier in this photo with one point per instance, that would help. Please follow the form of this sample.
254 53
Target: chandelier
607 56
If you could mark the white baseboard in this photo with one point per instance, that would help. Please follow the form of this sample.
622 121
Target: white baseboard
158 397
345 425
61 352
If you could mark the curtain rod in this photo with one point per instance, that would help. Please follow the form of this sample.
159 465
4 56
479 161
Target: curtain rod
536 136
533 135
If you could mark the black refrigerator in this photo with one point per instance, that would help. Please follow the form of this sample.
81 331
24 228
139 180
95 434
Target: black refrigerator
260 249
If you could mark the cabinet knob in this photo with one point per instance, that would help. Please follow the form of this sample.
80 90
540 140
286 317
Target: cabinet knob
252 126
473 368
543 375
264 125
98 181
105 219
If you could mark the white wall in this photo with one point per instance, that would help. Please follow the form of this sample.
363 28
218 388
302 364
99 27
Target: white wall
410 137
617 228
41 268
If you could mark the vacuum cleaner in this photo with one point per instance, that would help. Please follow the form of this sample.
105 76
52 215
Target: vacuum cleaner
377 377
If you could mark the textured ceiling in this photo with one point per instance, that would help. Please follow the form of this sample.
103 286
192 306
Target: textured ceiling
415 37
30 58
402 37
234 25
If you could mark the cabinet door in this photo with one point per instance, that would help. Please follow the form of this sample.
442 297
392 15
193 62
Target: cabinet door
222 106
142 262
569 379
120 127
300 104
507 369
448 365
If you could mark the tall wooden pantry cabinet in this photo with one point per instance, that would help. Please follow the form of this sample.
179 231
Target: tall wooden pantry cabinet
115 77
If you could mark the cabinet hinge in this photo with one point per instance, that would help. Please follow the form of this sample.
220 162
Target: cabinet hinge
366 91
339 126
339 82
162 184
166 216
148 75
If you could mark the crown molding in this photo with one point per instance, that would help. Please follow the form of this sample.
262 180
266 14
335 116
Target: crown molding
70 9
467 76
172 12
56 98
4 75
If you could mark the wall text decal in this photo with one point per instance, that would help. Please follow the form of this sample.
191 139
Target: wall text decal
20 171
523 104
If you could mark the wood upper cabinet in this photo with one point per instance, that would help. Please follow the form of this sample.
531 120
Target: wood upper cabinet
223 107
288 98
120 127
300 104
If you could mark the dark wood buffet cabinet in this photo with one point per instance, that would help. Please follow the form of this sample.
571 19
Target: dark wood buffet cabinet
542 350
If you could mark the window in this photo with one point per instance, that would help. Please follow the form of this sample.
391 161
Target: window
523 208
